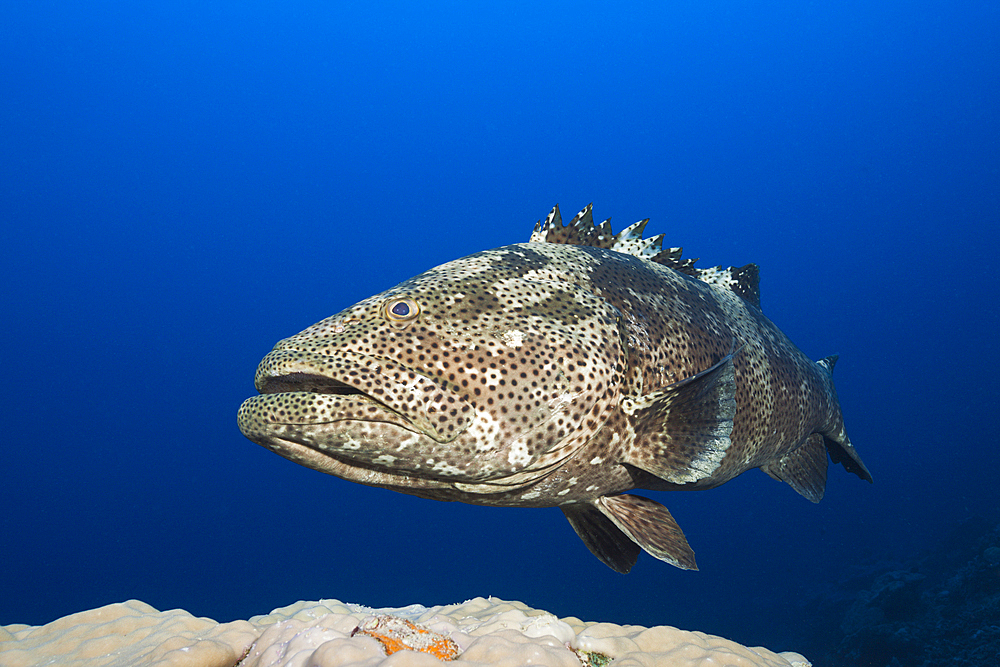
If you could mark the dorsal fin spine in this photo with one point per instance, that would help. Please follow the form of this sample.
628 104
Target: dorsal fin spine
582 231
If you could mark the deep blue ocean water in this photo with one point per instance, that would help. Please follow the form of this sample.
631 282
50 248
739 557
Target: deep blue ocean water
185 183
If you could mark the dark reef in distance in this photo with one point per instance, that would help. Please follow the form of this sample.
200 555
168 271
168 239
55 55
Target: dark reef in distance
940 608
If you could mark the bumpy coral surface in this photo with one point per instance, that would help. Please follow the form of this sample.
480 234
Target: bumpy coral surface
398 634
333 634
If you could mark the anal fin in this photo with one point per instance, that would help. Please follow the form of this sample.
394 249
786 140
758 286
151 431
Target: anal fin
804 469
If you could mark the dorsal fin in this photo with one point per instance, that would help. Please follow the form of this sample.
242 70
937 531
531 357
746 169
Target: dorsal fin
743 280
829 362
582 230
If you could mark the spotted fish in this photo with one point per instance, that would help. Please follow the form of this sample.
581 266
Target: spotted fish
562 372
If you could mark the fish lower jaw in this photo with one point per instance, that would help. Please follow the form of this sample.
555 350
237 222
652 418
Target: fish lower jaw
346 469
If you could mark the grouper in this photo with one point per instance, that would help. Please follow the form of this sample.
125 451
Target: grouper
564 372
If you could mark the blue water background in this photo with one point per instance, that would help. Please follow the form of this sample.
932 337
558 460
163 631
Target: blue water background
185 183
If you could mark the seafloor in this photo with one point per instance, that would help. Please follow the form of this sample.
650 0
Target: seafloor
477 633
942 607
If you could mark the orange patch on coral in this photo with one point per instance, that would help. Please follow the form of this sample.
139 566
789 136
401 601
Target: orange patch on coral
398 634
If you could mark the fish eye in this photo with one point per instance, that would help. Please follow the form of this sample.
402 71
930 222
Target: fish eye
401 310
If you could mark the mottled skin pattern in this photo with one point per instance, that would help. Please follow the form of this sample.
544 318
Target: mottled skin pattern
542 374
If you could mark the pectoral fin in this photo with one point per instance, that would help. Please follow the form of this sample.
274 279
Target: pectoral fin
612 526
682 432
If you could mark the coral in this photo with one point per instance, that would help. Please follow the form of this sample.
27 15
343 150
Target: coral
328 633
399 634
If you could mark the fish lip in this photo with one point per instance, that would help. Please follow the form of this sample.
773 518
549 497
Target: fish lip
336 404
346 467
420 402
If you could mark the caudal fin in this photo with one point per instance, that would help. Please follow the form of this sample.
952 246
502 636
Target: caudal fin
838 444
843 452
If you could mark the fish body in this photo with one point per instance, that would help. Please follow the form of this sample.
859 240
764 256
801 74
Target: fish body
563 372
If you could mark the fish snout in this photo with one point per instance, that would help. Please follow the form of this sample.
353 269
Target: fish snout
384 386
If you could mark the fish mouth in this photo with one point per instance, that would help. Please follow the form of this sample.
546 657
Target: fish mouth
302 388
307 382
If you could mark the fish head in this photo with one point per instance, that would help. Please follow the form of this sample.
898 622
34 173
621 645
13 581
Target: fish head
495 366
